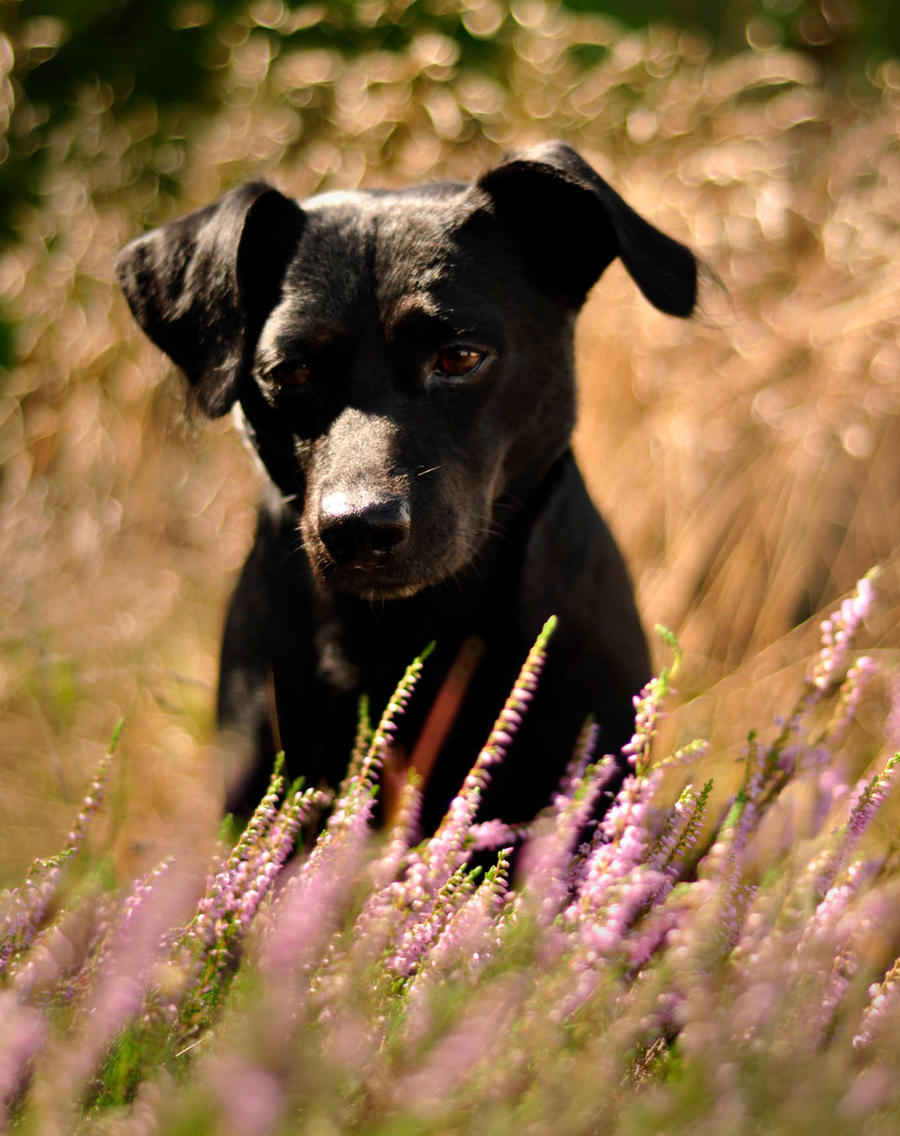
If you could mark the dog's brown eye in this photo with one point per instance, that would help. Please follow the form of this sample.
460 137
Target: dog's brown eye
458 362
290 375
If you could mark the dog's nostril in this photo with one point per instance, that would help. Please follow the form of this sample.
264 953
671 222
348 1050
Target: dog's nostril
386 537
363 537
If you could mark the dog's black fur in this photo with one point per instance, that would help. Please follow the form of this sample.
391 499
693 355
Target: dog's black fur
402 362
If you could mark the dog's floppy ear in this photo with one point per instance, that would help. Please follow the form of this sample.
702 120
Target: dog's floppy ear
572 224
201 286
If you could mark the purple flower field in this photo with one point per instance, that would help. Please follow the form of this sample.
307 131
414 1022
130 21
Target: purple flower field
695 964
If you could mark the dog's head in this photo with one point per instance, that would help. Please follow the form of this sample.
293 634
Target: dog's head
402 360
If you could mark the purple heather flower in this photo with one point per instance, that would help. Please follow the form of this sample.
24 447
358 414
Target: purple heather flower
493 834
648 708
251 1099
547 856
836 901
272 853
429 920
26 907
625 830
426 1088
838 632
869 797
445 851
849 698
363 777
311 902
23 1036
124 973
465 944
585 746
884 997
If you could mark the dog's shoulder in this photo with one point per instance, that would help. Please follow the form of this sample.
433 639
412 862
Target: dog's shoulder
575 570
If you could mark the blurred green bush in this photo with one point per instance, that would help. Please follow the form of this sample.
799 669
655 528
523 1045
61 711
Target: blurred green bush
172 54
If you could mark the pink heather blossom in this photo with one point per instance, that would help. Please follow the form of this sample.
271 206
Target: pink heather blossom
547 856
682 818
869 797
493 834
466 943
654 930
446 1064
445 850
429 920
823 932
884 999
125 970
627 837
273 851
24 1033
648 709
26 907
838 632
850 932
310 903
251 1099
602 932
585 746
647 712
383 736
389 906
849 697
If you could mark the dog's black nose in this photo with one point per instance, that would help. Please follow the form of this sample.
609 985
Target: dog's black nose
362 536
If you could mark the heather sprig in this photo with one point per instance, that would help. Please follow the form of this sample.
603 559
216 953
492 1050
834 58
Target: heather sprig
446 849
25 908
648 706
849 697
547 866
838 633
383 736
869 797
682 828
884 999
829 669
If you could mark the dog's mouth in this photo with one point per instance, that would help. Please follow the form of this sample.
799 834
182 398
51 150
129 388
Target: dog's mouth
394 576
375 582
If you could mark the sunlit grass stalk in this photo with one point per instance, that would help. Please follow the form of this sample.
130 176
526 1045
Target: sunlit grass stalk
26 907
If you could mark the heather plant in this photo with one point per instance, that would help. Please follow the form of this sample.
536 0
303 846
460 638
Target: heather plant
689 962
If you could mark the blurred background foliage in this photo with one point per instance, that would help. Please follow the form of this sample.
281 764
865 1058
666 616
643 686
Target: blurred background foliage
749 461
172 58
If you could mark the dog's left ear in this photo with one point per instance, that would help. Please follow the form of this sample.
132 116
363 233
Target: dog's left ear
572 224
201 286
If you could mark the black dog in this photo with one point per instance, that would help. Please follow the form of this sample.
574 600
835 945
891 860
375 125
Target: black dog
402 363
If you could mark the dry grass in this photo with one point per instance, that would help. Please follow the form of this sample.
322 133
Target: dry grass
749 461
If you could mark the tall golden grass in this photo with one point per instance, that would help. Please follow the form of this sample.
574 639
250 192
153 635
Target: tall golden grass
748 460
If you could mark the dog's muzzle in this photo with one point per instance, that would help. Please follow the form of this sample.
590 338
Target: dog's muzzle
362 536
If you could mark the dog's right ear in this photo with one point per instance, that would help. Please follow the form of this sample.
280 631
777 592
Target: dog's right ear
202 286
571 224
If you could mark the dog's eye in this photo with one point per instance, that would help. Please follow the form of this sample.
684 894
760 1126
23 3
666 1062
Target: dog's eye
289 375
458 361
